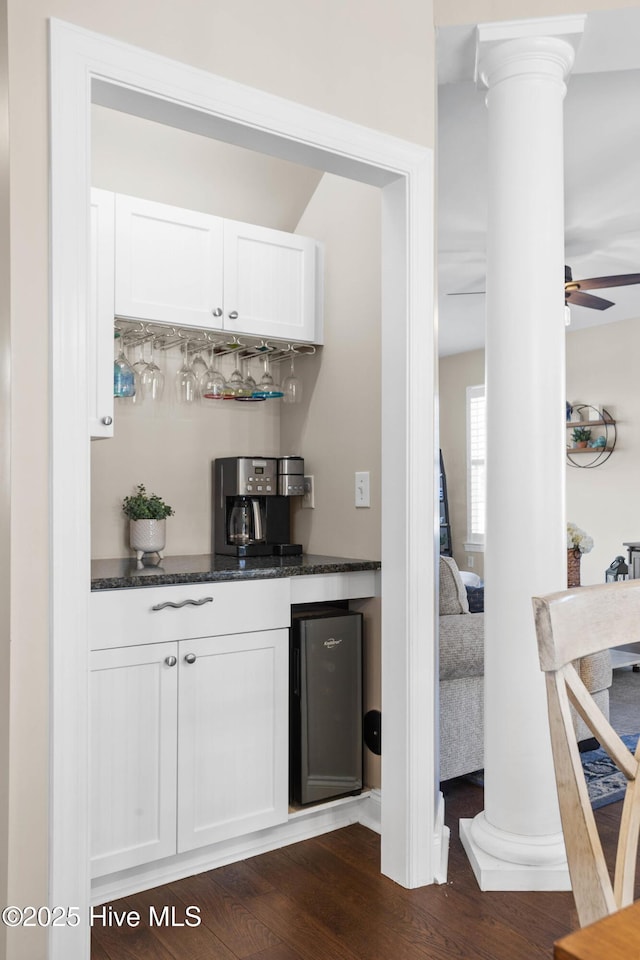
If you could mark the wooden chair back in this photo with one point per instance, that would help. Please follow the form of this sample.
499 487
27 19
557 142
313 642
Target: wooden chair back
570 625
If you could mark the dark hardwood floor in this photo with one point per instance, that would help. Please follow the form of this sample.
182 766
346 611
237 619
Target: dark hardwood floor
324 899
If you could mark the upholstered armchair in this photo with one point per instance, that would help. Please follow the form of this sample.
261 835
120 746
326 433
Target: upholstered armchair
462 679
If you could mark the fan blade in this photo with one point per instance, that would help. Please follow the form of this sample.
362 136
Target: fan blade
579 299
603 283
466 293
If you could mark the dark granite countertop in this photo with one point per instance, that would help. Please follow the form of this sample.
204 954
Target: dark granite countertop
207 568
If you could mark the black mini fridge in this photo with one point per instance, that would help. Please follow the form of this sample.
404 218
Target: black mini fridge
325 705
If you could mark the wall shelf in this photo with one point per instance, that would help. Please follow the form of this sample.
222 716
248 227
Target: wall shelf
590 417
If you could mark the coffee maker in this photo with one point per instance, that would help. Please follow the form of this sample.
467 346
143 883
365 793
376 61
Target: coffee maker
251 505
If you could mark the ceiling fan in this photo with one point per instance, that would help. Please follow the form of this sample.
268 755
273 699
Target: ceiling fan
574 289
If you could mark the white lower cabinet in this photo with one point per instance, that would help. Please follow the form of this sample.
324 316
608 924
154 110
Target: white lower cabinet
233 736
189 745
133 737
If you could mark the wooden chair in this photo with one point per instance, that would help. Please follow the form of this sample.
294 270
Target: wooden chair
570 625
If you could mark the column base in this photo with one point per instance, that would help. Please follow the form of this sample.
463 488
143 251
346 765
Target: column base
547 871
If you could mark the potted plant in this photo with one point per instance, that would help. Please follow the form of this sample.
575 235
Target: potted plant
147 514
581 436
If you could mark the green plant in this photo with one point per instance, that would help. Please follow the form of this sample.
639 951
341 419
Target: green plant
145 506
580 434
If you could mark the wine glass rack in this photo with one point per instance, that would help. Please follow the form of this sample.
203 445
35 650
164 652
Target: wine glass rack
194 339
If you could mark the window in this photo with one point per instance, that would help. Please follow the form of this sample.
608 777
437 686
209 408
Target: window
476 456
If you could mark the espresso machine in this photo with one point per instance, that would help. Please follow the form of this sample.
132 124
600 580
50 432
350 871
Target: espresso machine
252 506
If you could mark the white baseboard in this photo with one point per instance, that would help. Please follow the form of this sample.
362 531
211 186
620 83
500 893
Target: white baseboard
370 813
301 825
441 843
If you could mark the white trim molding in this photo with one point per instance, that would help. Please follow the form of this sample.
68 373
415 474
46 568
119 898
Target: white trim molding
86 67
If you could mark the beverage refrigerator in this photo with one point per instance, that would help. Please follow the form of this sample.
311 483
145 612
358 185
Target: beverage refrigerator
325 705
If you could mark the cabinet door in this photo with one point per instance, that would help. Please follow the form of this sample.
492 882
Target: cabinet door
233 736
269 282
101 313
168 263
133 756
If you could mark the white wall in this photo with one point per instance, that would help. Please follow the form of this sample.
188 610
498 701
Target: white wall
601 370
156 162
170 449
337 427
372 64
5 459
451 12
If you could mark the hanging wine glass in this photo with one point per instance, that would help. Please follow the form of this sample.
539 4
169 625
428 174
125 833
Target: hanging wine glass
199 364
292 385
124 378
235 383
140 364
212 383
267 387
152 378
249 387
186 380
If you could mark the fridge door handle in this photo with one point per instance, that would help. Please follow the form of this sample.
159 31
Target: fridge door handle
296 672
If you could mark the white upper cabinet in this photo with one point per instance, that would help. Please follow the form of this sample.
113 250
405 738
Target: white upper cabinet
168 263
269 282
192 269
101 313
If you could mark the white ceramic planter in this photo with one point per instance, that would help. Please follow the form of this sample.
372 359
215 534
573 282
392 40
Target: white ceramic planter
147 536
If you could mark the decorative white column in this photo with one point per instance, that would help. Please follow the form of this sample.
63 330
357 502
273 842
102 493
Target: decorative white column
516 842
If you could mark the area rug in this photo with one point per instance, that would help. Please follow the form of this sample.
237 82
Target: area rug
605 783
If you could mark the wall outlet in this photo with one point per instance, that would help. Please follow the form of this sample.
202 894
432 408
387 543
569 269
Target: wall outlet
470 560
363 492
308 497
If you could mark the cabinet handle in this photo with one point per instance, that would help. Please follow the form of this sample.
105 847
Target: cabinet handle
183 603
217 312
170 661
107 421
233 315
190 658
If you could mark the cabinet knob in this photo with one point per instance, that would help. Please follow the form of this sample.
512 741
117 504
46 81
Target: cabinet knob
233 315
217 312
171 661
190 658
107 421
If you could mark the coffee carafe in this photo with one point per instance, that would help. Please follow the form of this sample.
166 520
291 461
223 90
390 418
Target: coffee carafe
245 521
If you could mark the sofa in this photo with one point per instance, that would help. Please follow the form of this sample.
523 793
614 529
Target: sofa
461 641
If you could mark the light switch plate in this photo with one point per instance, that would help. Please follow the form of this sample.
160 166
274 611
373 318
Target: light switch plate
363 494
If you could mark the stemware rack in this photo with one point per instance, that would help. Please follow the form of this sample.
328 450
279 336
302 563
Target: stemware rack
194 339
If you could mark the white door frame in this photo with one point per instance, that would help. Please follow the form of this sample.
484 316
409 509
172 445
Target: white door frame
86 65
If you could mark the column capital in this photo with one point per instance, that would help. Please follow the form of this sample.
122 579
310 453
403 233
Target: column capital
517 47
